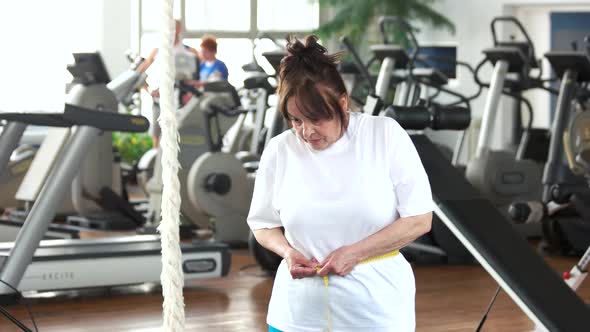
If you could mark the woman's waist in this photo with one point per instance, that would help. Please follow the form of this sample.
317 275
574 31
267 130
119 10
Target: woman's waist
370 274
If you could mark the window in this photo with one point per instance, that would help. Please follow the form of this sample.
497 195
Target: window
288 15
235 24
217 15
151 12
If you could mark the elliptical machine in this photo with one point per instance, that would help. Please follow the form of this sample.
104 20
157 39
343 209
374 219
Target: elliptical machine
222 182
566 195
501 175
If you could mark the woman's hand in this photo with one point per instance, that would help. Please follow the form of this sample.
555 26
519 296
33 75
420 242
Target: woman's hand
299 266
340 262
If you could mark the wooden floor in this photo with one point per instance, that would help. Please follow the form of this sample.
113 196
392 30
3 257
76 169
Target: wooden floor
449 298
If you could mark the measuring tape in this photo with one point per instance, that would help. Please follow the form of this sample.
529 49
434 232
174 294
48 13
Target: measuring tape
368 260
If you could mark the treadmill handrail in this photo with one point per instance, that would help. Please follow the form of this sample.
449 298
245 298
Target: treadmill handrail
80 116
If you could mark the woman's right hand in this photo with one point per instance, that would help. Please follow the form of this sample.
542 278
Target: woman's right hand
299 266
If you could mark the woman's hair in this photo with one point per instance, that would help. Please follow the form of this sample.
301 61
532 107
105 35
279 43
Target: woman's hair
209 43
310 75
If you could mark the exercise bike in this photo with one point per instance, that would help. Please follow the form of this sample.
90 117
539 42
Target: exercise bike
215 170
563 211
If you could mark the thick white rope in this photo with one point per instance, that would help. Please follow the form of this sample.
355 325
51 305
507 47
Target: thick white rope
171 277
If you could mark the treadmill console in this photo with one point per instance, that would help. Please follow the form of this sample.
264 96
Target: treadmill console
88 68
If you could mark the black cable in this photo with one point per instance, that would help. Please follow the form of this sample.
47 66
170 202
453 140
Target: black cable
540 66
14 320
434 95
359 63
529 107
472 71
485 316
462 99
548 89
476 74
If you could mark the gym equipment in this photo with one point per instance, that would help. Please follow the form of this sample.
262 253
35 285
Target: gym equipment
216 184
577 144
412 84
568 229
222 182
94 201
501 175
124 86
499 248
215 188
35 265
573 279
13 177
13 173
59 264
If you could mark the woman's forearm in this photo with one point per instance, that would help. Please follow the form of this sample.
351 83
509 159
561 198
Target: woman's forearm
393 237
273 239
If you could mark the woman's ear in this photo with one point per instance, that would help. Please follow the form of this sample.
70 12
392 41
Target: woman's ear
344 102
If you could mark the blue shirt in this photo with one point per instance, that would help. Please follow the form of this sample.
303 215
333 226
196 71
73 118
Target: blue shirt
216 67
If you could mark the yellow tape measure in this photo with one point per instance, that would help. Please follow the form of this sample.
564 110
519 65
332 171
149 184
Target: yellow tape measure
368 260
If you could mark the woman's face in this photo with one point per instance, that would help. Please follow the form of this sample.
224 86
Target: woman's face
318 135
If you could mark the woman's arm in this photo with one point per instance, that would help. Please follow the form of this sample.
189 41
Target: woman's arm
393 237
274 240
145 64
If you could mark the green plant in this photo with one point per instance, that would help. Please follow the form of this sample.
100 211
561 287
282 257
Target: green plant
132 146
353 17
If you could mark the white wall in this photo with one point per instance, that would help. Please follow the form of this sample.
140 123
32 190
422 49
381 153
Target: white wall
38 37
35 50
472 21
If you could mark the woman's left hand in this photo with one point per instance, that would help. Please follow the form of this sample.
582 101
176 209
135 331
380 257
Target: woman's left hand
340 262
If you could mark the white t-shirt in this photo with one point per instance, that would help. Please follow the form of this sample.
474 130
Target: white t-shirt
335 197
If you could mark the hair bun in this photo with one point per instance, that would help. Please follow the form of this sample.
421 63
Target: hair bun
310 48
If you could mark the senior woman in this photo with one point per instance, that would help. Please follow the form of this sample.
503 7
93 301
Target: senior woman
349 190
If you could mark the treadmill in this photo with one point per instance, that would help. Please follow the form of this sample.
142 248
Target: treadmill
31 264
